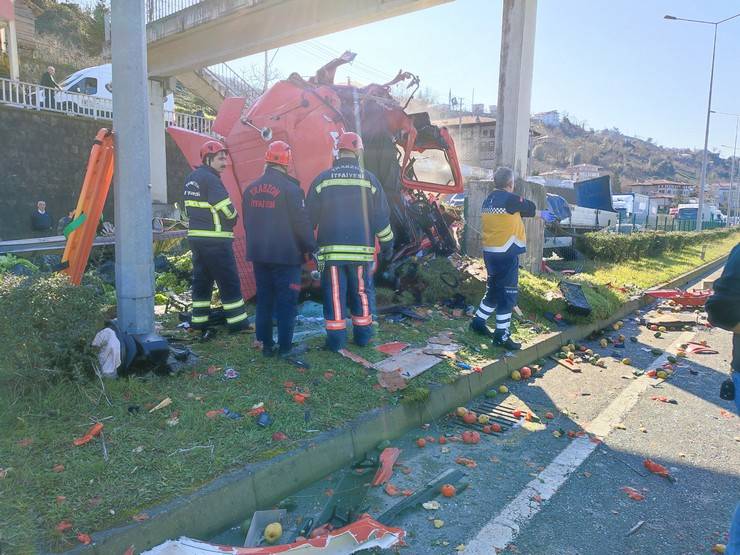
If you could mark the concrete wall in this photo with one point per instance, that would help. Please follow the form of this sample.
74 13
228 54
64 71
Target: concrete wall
43 155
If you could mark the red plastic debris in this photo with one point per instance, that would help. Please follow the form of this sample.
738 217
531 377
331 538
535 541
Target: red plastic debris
469 463
633 494
388 458
279 436
392 348
141 517
94 430
84 538
328 375
58 468
214 413
656 468
391 490
25 442
63 526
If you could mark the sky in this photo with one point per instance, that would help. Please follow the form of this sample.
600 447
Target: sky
610 64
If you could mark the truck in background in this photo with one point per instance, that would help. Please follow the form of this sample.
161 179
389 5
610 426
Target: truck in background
592 211
687 215
633 208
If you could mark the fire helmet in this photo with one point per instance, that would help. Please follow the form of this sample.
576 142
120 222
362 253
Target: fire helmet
350 141
211 147
278 153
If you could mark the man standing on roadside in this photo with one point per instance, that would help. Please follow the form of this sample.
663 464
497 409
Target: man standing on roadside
504 240
279 235
723 309
48 81
210 235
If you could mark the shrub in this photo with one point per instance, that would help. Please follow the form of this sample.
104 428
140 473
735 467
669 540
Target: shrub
46 326
617 247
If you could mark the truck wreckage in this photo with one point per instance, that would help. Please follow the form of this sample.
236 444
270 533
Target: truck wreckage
414 160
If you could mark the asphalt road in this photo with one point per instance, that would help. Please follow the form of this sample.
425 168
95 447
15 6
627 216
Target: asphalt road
533 493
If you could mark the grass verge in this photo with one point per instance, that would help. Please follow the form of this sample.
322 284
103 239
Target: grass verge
156 456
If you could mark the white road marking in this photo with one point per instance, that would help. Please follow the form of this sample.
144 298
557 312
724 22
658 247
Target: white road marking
504 527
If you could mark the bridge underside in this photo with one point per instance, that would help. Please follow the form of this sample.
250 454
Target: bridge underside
221 30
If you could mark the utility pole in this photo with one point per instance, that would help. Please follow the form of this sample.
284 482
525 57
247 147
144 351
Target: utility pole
132 184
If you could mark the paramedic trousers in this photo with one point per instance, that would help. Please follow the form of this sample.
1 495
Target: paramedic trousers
278 287
502 288
213 261
347 286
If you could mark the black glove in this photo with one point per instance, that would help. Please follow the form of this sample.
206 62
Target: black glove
386 251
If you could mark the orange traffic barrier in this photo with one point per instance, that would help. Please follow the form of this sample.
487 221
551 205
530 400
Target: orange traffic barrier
81 231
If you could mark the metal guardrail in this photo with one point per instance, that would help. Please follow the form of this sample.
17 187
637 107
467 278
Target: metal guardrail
36 97
158 9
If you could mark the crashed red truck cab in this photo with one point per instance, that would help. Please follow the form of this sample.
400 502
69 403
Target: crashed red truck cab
414 160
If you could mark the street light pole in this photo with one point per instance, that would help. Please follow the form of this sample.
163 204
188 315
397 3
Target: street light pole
703 178
733 208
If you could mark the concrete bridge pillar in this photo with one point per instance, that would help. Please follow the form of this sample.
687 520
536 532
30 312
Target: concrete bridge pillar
515 84
157 150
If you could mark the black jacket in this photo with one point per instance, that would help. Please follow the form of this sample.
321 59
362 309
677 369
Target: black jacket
348 205
48 81
275 220
40 222
723 307
208 206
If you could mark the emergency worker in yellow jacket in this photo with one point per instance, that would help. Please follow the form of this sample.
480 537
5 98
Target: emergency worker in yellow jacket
504 239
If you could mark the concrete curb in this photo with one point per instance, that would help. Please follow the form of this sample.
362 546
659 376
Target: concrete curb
233 496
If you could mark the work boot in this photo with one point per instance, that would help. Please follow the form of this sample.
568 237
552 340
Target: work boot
293 351
502 338
268 352
479 326
243 326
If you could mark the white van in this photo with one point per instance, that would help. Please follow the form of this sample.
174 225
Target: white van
89 92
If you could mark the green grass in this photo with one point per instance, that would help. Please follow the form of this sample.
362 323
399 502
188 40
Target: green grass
151 461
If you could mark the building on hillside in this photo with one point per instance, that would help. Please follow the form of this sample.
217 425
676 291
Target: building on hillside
676 190
720 193
582 172
548 119
474 138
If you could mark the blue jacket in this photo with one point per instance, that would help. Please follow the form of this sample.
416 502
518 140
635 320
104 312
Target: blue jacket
208 206
275 220
348 205
502 227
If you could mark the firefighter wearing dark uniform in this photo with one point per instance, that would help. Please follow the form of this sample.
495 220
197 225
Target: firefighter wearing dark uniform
279 234
504 240
349 207
212 218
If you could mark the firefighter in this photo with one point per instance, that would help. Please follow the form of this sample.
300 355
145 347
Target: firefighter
212 218
279 234
504 240
348 205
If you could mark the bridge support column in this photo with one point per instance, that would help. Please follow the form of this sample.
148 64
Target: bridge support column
157 150
12 42
515 84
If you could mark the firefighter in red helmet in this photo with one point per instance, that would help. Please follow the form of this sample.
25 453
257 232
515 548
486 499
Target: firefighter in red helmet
279 236
211 221
348 205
